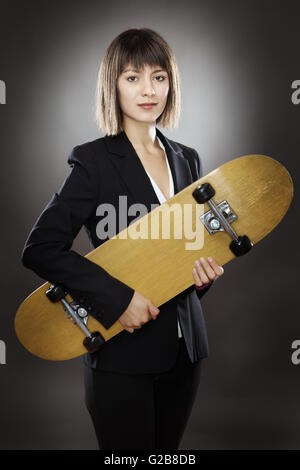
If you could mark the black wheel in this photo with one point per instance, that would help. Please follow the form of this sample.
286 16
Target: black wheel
203 193
242 246
55 293
94 342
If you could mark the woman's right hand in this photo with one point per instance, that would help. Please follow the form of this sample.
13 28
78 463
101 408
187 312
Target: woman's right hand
139 311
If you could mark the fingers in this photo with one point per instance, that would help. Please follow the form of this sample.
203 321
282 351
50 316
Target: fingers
206 271
200 273
130 330
215 266
154 311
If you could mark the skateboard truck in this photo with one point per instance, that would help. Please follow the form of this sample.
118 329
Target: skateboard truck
93 341
219 218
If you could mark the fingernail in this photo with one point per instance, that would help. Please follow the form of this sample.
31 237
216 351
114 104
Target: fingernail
210 259
202 259
197 262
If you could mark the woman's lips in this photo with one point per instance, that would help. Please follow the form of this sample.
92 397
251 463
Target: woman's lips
147 106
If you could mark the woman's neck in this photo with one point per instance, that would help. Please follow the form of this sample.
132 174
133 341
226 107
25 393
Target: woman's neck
142 136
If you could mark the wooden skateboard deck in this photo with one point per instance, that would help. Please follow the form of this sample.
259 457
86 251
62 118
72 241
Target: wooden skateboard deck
257 188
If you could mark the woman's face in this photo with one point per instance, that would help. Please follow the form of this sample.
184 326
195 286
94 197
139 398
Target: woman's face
149 85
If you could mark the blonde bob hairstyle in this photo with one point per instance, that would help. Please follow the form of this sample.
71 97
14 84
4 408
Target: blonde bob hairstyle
135 47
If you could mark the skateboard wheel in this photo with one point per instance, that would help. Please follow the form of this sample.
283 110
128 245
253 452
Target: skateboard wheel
94 342
241 246
203 193
55 293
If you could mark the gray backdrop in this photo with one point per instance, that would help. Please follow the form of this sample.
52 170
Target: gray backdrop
237 60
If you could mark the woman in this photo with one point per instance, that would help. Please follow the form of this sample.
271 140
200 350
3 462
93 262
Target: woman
140 387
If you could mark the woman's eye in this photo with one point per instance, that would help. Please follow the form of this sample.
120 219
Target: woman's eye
158 76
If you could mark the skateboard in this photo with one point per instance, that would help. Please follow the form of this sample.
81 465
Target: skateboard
223 215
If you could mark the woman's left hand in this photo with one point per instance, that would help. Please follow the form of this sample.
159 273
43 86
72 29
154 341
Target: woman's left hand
206 271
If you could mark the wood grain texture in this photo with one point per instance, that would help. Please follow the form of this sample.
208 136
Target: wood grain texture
259 190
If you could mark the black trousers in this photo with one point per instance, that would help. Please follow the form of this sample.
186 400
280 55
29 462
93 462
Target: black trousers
142 411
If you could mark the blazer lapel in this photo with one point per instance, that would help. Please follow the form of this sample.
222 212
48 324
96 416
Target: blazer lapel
132 172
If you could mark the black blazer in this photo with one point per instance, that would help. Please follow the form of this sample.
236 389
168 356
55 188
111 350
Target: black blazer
102 170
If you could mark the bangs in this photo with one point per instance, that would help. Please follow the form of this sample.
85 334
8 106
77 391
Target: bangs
138 51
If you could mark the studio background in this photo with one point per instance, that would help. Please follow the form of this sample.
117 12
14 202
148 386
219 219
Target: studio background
237 62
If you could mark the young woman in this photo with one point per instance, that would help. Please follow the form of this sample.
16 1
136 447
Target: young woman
141 386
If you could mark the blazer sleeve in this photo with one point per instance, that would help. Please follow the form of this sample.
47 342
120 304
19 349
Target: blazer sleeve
48 252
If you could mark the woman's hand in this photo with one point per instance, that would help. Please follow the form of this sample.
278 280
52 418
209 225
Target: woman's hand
206 271
139 311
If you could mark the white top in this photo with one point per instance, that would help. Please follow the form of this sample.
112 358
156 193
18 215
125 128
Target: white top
162 198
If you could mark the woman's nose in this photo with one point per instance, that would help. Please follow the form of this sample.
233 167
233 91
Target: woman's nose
147 86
